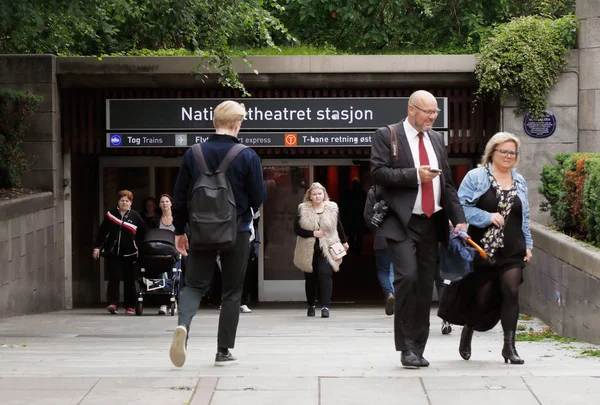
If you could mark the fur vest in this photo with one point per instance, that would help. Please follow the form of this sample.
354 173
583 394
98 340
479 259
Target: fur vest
326 222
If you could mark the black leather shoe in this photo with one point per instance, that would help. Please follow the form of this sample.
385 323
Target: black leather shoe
409 359
325 313
311 311
424 362
390 301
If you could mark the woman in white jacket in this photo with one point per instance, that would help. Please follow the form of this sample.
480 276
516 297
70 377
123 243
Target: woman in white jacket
318 227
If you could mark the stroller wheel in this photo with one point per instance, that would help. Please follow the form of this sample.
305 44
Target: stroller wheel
139 308
173 305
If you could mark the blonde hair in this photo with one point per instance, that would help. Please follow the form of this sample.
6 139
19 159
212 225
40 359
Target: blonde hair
228 114
496 140
313 186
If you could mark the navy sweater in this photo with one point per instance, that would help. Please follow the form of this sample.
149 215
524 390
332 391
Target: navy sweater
244 174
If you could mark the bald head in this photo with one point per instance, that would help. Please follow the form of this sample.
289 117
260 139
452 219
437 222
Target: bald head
421 97
422 110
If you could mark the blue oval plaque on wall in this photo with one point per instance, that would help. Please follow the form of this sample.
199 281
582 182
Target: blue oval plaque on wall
539 128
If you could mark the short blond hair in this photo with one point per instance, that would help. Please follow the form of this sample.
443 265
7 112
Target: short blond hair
228 114
497 139
312 187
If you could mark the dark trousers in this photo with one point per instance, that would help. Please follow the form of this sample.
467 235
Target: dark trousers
121 268
198 278
322 276
251 278
414 260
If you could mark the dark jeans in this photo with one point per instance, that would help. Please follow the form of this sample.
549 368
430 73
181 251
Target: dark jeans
385 270
198 277
121 268
322 276
415 260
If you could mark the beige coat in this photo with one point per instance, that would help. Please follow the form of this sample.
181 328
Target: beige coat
326 222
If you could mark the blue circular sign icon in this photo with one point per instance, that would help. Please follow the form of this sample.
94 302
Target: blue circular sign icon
539 128
115 140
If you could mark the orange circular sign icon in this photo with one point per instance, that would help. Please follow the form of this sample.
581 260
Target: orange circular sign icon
291 140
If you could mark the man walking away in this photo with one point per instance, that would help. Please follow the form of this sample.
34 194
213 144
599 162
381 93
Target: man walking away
245 181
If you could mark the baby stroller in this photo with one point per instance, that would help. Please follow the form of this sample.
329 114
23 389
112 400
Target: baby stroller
160 268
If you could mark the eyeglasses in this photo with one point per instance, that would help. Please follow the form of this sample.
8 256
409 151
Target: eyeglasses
428 112
506 153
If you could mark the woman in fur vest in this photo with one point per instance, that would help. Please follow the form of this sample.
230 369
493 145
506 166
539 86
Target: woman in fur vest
318 226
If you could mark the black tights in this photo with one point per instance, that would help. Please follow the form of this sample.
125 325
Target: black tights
509 286
322 277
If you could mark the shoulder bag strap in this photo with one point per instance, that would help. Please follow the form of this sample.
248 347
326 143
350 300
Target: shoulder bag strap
393 142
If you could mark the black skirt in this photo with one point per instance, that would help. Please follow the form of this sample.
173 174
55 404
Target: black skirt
458 304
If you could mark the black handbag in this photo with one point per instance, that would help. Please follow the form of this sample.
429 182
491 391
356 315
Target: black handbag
108 248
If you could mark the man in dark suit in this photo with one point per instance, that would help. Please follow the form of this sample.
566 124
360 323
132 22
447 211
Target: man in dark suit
410 168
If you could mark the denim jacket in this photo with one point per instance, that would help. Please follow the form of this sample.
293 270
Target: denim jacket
475 184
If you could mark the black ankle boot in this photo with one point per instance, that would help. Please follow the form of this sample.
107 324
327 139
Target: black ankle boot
509 352
464 348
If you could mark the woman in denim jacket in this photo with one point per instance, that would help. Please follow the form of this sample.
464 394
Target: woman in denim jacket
495 202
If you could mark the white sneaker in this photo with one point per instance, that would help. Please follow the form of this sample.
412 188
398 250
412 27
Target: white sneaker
245 309
162 310
178 346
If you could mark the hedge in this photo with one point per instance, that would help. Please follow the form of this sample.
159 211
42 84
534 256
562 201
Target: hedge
572 190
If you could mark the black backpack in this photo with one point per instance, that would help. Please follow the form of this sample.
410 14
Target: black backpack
212 210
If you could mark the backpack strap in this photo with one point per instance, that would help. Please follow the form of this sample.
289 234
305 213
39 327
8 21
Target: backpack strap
199 157
233 152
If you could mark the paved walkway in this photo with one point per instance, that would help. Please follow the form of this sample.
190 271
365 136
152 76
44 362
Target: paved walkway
88 357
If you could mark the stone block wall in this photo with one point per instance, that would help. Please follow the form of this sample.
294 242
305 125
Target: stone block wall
32 258
35 272
588 42
537 152
562 285
37 74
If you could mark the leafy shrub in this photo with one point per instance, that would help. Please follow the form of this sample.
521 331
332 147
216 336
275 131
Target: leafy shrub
591 200
572 190
15 107
524 57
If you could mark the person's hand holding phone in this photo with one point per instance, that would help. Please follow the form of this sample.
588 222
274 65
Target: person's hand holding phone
426 173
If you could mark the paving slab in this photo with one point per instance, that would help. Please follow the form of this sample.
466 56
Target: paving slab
87 357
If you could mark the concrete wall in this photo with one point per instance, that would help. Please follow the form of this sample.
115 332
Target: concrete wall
537 152
562 285
34 269
588 42
31 255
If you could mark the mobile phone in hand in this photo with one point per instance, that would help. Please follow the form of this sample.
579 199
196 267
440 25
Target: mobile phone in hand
435 170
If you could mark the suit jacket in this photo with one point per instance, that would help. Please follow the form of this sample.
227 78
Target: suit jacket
397 184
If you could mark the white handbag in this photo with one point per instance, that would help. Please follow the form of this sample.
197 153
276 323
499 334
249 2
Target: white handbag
337 251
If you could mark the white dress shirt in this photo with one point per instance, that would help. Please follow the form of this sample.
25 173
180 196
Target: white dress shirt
412 135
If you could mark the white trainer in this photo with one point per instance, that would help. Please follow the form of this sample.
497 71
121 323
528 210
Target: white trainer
245 309
178 346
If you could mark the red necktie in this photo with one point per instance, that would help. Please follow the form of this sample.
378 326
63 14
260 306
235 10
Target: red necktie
426 188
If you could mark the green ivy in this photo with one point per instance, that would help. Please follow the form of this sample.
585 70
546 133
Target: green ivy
206 28
15 107
524 58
